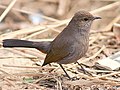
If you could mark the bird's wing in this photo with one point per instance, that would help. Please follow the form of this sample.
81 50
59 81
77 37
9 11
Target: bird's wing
57 52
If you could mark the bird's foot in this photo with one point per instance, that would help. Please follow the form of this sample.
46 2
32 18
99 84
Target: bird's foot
84 71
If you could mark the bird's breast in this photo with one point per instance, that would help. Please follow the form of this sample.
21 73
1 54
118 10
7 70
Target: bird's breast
77 51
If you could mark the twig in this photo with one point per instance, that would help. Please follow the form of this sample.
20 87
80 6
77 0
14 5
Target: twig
58 31
31 29
105 81
4 57
85 76
22 31
58 84
34 53
107 75
5 72
35 34
31 74
106 7
42 39
39 32
24 52
7 10
30 67
102 71
113 79
19 52
10 82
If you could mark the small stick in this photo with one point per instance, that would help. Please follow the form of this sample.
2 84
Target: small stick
5 72
18 57
105 7
39 32
10 82
35 54
102 71
33 67
53 29
20 53
31 74
59 83
30 30
107 75
35 34
25 52
22 31
113 79
7 10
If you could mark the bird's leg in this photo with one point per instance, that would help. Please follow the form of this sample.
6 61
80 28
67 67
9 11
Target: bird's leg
85 71
50 64
64 71
81 67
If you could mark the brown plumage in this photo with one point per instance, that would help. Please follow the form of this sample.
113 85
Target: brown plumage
69 46
72 43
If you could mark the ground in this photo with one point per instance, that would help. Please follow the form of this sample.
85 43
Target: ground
20 68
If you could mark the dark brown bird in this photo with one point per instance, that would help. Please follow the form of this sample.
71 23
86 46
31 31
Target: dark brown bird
68 47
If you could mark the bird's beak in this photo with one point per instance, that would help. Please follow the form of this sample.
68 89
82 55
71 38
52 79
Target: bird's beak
97 17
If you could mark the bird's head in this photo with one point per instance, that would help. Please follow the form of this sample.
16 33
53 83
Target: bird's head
84 19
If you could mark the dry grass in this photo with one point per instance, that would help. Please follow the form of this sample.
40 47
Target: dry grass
18 69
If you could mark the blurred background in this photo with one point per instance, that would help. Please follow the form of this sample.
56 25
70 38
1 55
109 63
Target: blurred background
43 20
29 13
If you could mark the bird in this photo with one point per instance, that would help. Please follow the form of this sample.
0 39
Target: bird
68 47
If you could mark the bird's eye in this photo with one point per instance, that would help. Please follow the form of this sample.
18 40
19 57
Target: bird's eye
85 19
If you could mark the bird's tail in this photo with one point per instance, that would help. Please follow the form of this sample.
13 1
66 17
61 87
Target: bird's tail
17 43
43 46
